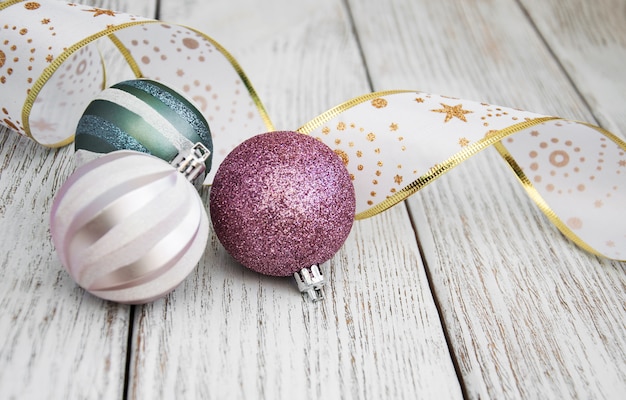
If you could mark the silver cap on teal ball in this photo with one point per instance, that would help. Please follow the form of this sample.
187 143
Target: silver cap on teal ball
141 115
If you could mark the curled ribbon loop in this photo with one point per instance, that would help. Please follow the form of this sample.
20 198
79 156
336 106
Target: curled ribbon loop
395 143
392 143
54 68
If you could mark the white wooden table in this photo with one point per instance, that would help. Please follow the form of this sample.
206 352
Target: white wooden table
466 290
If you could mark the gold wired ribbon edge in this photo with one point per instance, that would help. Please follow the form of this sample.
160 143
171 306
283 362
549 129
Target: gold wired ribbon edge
434 172
493 139
49 71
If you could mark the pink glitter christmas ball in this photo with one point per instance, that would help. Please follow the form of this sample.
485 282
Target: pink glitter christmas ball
282 201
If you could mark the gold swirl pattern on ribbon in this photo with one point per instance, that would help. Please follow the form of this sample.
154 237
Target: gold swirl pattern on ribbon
54 69
393 143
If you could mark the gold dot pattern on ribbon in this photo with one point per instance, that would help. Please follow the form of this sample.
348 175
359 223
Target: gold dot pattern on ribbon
343 155
581 174
393 142
57 69
378 139
34 35
564 165
74 84
222 97
31 5
379 103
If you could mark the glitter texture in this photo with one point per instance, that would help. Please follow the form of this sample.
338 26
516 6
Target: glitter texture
175 101
282 201
142 115
109 138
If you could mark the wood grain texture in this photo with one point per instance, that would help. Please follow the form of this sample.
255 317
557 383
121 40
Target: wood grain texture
301 58
589 41
525 313
529 314
57 341
230 333
54 335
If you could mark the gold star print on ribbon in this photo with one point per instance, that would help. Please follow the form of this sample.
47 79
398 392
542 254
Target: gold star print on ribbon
453 112
99 11
572 170
392 143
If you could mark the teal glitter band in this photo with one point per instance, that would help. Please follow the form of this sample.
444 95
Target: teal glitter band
176 103
142 115
109 138
133 125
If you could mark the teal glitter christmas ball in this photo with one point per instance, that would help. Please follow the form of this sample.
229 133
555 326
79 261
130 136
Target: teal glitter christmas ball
141 115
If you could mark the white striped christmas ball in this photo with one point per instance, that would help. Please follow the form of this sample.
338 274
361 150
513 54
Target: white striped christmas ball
141 115
128 227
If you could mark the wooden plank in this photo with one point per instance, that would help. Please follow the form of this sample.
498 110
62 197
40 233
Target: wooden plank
528 314
57 341
589 40
231 333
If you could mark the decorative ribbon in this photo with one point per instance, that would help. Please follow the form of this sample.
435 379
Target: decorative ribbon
56 57
395 143
392 143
